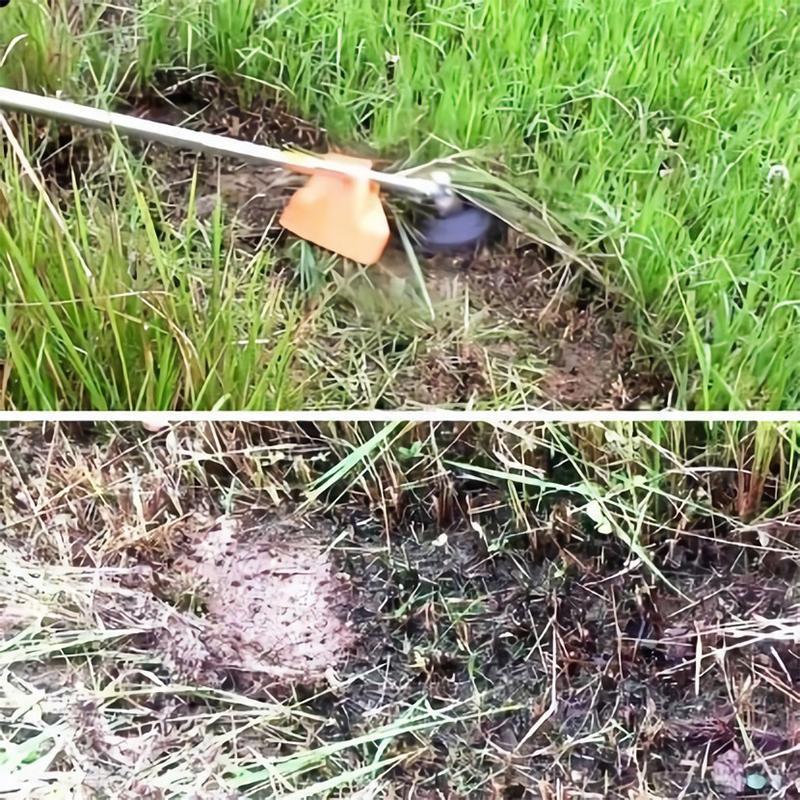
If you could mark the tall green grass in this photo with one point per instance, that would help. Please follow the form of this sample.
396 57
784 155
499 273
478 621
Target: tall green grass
652 129
125 311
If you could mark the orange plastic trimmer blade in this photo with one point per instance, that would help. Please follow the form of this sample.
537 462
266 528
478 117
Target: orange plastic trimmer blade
340 213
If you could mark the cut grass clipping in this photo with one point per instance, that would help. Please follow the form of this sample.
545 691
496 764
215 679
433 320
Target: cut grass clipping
442 611
665 137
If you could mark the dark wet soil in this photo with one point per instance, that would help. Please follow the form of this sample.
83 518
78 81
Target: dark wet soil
571 630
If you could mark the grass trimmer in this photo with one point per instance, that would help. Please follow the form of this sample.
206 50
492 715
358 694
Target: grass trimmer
339 208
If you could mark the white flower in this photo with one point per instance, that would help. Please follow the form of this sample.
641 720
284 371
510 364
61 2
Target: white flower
666 135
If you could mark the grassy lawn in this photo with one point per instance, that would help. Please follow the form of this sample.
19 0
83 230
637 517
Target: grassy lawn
662 137
409 611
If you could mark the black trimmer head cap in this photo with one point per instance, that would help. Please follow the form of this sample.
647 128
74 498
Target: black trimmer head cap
464 229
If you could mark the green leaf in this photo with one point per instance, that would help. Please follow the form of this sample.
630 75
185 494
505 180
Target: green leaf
409 453
344 467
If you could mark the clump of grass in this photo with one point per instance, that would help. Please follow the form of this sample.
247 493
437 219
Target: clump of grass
38 49
110 306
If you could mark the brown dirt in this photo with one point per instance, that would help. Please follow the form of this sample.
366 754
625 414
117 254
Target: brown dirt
565 320
256 607
443 377
271 606
251 196
539 311
253 603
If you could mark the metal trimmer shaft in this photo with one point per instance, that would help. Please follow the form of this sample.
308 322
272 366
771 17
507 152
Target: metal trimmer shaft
438 190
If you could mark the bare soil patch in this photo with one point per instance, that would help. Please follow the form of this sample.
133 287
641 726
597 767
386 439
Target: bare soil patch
541 311
256 607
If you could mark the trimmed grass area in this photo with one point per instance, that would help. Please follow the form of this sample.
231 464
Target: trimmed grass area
663 136
599 610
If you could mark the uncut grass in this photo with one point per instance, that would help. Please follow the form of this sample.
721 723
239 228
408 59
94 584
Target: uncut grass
454 708
651 130
155 321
